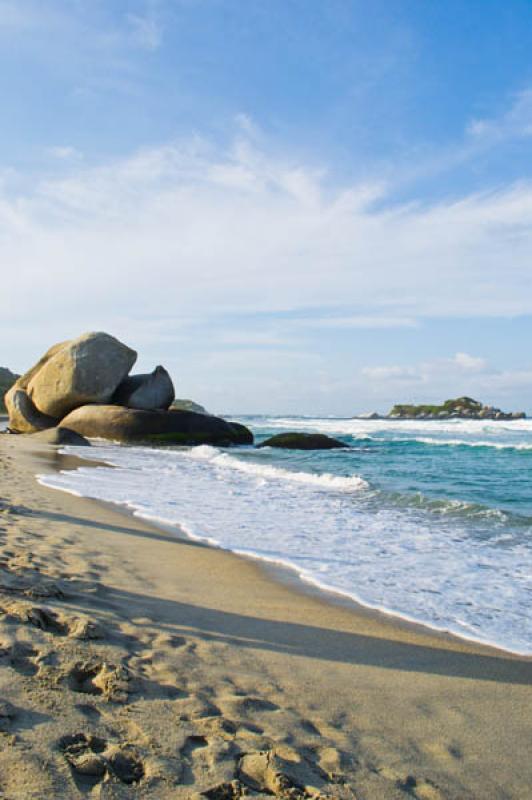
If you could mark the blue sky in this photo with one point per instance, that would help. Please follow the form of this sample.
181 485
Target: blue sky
303 206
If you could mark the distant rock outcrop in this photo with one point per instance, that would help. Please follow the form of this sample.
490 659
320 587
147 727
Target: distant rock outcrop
302 441
460 408
7 379
81 387
149 392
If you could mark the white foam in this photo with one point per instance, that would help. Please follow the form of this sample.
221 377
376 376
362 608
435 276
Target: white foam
321 480
333 536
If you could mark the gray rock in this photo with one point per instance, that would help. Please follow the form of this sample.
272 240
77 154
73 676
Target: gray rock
158 427
85 370
180 404
302 441
150 392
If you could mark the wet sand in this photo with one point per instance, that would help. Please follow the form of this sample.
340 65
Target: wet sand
134 664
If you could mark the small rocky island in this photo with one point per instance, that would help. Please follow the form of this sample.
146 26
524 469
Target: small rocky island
459 408
83 388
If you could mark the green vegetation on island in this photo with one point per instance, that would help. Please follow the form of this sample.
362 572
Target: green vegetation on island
459 408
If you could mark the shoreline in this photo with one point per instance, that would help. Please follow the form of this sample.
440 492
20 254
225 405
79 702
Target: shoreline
284 572
226 659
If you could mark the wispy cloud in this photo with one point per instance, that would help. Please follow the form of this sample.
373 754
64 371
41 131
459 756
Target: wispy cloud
64 152
358 321
515 122
190 225
146 31
437 379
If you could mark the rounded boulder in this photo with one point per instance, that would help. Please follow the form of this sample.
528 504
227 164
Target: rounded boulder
156 427
149 392
84 370
302 441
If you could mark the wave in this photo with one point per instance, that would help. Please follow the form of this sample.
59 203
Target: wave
354 426
383 550
463 443
322 480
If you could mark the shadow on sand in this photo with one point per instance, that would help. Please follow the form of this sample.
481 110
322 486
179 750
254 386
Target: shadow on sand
243 631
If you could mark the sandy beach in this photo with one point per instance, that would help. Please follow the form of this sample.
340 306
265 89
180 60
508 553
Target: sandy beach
138 665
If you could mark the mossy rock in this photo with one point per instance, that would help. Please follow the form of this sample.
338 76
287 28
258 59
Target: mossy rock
157 427
302 441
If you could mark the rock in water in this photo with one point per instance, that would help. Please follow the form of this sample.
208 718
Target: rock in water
158 427
85 370
302 441
149 392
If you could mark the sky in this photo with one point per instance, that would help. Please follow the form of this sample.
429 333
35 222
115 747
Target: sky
296 206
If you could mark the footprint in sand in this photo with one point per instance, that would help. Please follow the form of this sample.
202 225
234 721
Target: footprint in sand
110 681
22 657
51 621
93 758
7 715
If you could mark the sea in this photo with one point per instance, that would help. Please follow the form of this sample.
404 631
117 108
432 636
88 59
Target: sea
430 521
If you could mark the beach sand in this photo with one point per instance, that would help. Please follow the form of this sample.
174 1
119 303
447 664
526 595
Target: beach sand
134 664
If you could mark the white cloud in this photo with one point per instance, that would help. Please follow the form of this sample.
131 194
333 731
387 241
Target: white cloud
516 122
64 152
189 229
384 374
430 371
470 363
360 321
438 379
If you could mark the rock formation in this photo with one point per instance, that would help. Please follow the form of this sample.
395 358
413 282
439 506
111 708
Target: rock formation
158 427
81 388
188 405
302 441
149 392
459 408
86 370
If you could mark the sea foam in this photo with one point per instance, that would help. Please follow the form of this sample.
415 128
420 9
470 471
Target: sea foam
337 532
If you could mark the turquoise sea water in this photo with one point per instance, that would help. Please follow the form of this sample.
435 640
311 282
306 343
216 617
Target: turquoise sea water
431 521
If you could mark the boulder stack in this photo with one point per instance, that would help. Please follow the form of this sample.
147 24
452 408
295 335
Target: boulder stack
83 385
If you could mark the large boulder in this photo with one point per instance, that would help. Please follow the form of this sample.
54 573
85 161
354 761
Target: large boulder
85 370
149 392
302 441
160 427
